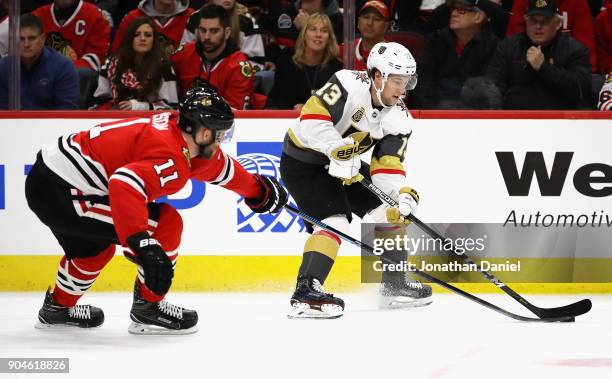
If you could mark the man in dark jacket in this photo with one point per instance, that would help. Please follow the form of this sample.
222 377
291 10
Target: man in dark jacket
48 79
542 68
452 55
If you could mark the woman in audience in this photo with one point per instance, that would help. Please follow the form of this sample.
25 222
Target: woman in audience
304 69
140 76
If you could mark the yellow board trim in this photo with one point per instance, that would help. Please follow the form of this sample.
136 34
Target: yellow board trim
245 274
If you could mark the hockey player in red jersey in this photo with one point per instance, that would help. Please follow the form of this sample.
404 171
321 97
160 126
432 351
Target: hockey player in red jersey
96 189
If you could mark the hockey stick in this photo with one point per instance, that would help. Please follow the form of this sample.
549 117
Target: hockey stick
305 216
575 309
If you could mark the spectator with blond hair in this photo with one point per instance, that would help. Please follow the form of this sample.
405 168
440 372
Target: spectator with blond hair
304 69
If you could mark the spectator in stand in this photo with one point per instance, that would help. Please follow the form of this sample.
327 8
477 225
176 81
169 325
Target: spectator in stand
576 20
439 17
603 38
49 80
78 30
373 23
140 76
605 95
287 21
214 59
304 69
542 68
170 16
4 29
246 33
461 50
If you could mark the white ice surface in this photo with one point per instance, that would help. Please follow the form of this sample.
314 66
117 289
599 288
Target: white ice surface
249 336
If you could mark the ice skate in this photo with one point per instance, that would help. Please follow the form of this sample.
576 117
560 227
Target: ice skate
310 301
160 317
53 315
401 292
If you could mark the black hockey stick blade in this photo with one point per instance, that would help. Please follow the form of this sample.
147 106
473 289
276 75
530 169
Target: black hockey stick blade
571 310
575 309
307 217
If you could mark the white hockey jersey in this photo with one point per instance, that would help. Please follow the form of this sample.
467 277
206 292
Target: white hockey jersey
344 106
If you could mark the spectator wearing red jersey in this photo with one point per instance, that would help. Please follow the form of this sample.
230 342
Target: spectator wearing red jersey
373 23
170 16
80 31
215 59
576 20
140 76
603 39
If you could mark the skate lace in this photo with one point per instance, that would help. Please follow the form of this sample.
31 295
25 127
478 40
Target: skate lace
80 311
170 309
317 286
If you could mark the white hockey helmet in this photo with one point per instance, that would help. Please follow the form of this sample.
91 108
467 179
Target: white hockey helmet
392 58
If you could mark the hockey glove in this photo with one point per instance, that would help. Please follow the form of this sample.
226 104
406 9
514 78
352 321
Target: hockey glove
344 161
274 196
407 203
156 265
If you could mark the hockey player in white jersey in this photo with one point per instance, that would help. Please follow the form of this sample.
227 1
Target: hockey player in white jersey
353 112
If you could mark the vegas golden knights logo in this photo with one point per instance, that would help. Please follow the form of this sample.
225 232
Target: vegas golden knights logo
358 115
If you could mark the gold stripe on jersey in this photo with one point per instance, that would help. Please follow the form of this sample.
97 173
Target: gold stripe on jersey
322 244
386 162
314 106
295 140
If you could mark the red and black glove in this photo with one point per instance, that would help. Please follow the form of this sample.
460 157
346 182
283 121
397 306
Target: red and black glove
274 196
156 266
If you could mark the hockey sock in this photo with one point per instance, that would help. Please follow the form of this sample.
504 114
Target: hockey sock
77 275
320 252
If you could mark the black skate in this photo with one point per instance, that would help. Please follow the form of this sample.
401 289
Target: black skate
401 292
52 315
310 301
161 317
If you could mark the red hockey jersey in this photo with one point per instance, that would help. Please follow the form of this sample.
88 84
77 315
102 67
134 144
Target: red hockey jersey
173 29
577 21
232 75
86 31
135 161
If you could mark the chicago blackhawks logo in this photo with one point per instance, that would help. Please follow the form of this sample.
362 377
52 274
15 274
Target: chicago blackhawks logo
245 69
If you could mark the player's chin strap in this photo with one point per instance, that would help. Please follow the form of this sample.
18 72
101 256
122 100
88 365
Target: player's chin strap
379 93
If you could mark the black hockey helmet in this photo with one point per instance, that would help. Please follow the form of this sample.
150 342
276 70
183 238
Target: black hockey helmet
203 107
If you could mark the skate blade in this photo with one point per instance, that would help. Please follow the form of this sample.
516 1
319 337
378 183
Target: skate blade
153 330
42 326
304 310
399 302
